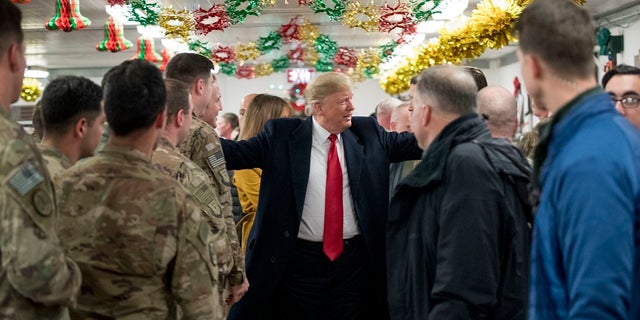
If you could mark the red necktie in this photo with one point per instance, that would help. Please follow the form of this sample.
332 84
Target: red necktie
332 236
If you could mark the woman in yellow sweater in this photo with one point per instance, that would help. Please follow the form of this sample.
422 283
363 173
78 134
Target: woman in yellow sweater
263 108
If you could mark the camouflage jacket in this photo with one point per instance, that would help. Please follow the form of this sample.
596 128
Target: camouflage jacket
54 159
202 146
37 281
139 239
168 160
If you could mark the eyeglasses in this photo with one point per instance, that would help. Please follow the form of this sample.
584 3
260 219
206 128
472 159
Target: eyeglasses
627 102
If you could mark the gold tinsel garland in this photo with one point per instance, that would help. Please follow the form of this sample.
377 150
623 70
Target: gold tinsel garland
488 27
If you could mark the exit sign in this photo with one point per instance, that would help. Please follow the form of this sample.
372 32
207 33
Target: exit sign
300 75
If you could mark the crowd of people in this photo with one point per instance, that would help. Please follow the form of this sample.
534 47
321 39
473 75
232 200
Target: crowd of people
429 210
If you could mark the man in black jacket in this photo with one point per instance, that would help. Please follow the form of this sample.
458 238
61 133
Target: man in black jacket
458 234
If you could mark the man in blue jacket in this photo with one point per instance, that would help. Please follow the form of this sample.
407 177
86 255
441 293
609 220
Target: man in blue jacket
585 253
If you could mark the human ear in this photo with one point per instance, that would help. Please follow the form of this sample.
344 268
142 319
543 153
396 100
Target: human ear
161 119
426 115
199 86
80 127
180 117
317 109
15 55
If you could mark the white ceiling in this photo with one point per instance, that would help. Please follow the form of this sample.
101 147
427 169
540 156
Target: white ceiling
57 49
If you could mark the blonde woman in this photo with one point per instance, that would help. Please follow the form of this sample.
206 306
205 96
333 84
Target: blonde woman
261 109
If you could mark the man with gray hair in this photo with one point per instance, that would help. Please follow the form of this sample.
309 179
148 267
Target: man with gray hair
457 234
498 108
383 111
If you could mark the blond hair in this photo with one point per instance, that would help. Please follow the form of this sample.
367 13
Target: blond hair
261 109
325 85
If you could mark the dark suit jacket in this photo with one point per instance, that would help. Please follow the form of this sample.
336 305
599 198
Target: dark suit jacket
283 151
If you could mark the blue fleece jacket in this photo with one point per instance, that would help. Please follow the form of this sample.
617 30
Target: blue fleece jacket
586 242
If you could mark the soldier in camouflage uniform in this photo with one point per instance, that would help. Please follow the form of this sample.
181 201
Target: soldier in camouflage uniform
169 160
202 146
36 123
139 238
71 110
37 281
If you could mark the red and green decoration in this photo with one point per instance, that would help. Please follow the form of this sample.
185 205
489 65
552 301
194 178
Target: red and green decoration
114 40
221 16
245 72
423 9
296 55
335 13
392 17
214 18
166 56
227 68
346 57
199 47
280 64
325 47
290 31
238 10
144 13
273 41
223 54
323 54
296 96
68 17
146 50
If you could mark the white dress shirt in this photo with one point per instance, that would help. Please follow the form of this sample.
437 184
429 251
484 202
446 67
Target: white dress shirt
312 224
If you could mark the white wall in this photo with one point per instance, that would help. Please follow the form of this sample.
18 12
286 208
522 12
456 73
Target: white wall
366 95
631 43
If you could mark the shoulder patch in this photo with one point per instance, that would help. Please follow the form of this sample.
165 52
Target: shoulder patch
216 159
42 203
26 179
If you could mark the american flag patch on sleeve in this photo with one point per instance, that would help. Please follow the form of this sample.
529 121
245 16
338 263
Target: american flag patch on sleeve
26 179
216 159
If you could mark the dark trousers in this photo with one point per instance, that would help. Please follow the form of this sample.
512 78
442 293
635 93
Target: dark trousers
313 287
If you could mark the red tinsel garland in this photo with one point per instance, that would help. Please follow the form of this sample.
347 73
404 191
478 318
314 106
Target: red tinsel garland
215 18
290 31
296 55
394 17
346 57
245 72
223 54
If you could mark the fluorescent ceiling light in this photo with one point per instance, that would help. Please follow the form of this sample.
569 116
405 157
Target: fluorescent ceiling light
36 72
